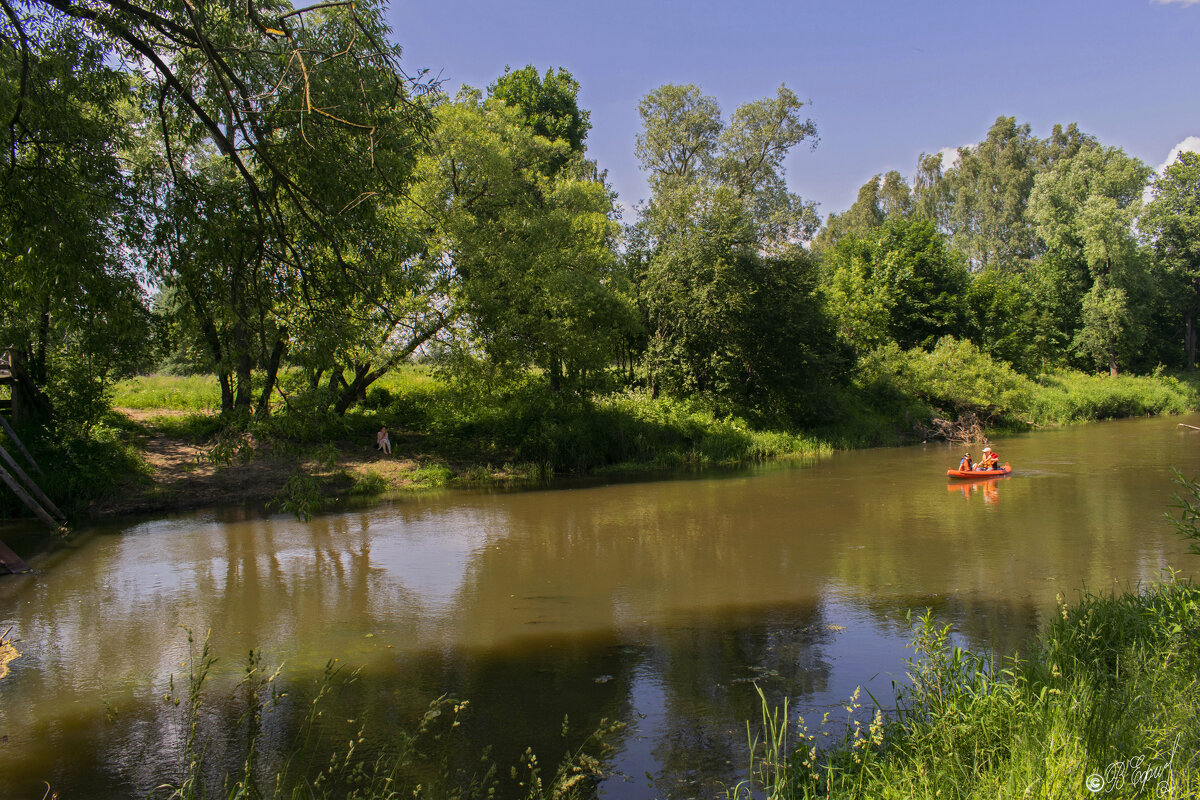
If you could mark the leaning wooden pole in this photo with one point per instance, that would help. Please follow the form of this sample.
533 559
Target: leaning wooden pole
17 441
11 561
27 500
46 502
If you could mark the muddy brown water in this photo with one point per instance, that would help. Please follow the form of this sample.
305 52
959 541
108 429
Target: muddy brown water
660 604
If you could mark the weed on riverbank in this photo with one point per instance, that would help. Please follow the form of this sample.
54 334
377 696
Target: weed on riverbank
427 759
1107 704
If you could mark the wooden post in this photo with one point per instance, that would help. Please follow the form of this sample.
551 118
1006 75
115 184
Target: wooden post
13 435
46 502
11 561
27 500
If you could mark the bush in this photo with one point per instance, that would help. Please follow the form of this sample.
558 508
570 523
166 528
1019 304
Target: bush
956 377
1068 397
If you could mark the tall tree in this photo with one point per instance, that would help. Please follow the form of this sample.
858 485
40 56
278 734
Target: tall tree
680 131
728 291
529 233
989 188
879 199
297 125
1083 208
1172 221
550 103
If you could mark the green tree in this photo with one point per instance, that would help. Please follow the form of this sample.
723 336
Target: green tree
73 310
725 318
1172 221
881 198
550 104
988 191
279 142
900 283
680 130
1107 335
1083 208
529 232
728 291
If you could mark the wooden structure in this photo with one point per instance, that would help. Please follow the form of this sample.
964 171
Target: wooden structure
11 473
26 401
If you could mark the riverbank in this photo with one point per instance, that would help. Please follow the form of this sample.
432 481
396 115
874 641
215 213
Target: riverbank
1106 703
576 602
163 448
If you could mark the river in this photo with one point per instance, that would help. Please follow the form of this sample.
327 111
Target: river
660 604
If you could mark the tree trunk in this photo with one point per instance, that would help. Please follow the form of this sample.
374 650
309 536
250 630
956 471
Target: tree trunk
364 376
264 399
30 405
38 368
226 392
1112 365
241 349
355 391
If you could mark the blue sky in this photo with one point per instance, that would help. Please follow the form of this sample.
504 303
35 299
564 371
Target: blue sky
886 80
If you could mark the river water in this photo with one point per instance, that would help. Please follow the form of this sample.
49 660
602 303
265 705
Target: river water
660 604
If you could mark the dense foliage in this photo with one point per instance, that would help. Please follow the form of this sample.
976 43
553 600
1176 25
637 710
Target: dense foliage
264 194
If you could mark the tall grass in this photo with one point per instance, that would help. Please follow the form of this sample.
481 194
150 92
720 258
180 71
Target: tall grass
1068 397
1109 694
173 392
422 760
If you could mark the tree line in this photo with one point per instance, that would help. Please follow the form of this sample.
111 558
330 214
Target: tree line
264 193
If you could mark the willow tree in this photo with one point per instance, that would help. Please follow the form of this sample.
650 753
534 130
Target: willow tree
271 136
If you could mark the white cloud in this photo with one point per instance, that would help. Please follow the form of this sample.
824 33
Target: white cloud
950 154
1176 2
1189 145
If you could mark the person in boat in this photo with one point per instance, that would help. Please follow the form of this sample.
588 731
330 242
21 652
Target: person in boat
965 465
989 461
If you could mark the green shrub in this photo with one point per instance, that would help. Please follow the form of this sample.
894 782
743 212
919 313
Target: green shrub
1108 689
956 377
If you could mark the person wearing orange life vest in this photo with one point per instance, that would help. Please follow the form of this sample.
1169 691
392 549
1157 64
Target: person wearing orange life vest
989 460
965 465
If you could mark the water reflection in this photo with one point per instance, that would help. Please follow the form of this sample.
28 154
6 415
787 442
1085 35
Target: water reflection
988 488
659 604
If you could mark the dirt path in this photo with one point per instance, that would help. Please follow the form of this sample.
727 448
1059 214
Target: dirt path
182 475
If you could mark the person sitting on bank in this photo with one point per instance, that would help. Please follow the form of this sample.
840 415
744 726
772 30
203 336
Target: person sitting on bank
990 460
965 465
382 442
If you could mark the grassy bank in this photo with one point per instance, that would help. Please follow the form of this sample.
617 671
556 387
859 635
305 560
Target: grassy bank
956 380
1109 690
166 437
